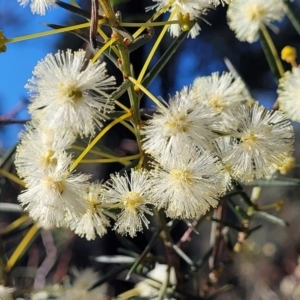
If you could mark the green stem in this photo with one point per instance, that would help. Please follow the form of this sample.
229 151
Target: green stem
145 252
22 247
149 77
124 160
291 15
3 261
153 50
152 24
172 256
45 33
144 90
271 52
165 284
96 139
125 65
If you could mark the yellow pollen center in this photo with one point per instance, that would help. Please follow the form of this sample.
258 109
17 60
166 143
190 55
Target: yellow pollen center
182 176
256 12
228 168
92 202
59 186
71 92
132 199
216 102
249 139
177 124
48 160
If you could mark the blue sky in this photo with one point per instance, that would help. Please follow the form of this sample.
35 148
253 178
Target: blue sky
17 63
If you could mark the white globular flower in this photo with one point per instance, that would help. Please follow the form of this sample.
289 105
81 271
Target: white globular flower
181 122
149 288
93 222
53 193
219 91
188 184
175 29
245 17
289 94
39 6
262 142
66 93
79 290
194 9
223 145
132 194
39 149
6 292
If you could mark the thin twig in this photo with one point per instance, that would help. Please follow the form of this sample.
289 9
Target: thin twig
12 121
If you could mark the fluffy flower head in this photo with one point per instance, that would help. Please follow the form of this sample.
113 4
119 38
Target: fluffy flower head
52 193
223 145
289 94
263 141
132 193
188 184
6 292
245 17
66 95
79 289
182 122
38 6
219 91
94 220
39 149
149 288
191 8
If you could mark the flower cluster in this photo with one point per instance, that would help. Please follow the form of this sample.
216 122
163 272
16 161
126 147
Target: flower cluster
216 123
204 137
179 160
67 101
199 142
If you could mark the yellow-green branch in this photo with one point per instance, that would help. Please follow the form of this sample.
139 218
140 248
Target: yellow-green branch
15 224
273 50
19 251
74 3
12 177
50 32
102 49
154 48
142 88
156 15
125 159
92 151
122 106
152 24
125 124
97 138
